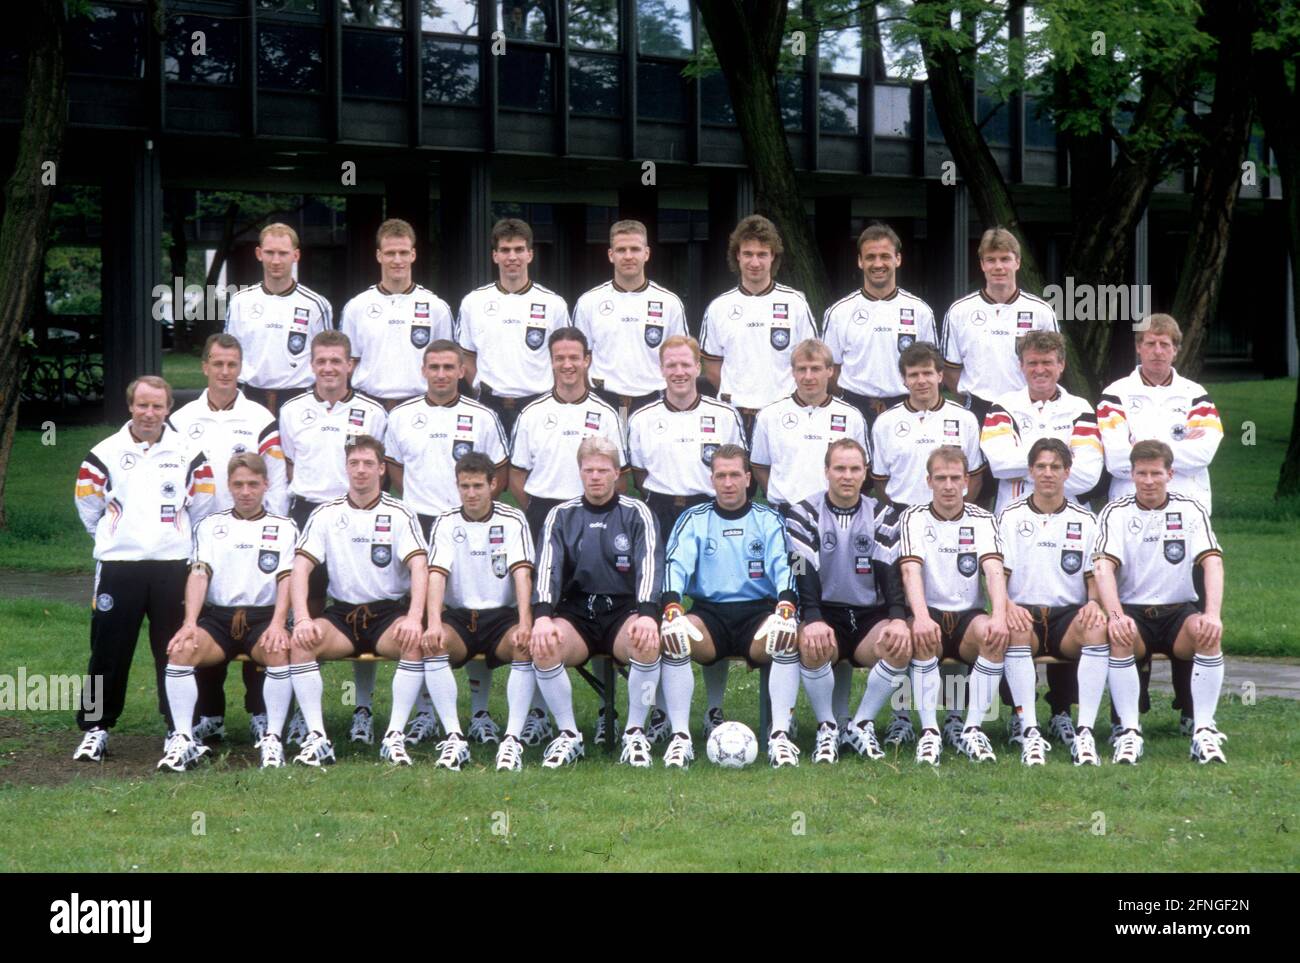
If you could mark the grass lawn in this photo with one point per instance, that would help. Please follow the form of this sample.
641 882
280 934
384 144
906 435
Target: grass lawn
1167 814
183 370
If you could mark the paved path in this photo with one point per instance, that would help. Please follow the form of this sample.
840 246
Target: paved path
1271 677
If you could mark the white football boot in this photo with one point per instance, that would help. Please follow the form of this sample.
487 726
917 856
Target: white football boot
424 726
1207 745
899 730
1128 748
363 726
209 727
828 744
636 749
680 753
393 749
537 728
929 747
510 755
564 750
454 752
316 751
1084 748
975 746
861 738
1034 748
272 752
781 751
482 729
94 744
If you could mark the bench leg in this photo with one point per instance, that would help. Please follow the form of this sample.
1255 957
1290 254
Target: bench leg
611 690
764 705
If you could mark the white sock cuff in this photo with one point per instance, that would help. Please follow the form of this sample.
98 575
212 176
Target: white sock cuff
299 667
645 666
405 666
179 671
1122 663
1205 661
988 668
1019 652
926 665
667 659
277 672
1097 651
550 673
521 666
819 672
433 662
785 658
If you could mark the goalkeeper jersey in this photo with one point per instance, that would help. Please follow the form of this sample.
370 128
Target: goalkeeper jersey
720 555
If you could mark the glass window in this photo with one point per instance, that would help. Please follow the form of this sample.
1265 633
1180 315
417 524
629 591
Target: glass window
1039 129
900 55
994 118
217 59
108 41
374 64
450 16
660 91
664 28
289 6
289 58
528 20
593 24
451 72
373 13
1036 53
595 86
789 88
932 129
840 51
715 101
525 80
837 106
893 111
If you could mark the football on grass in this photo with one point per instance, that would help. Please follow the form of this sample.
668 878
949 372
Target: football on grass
732 745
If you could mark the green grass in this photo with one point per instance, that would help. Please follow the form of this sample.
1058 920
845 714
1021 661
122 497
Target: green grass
1166 814
183 370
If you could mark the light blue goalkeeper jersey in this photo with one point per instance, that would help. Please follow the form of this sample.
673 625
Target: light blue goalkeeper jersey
716 555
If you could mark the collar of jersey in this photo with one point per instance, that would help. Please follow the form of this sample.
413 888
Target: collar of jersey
888 297
984 294
794 396
771 286
140 441
434 404
475 521
1056 396
643 287
560 401
941 518
1159 508
365 508
844 512
1151 384
669 405
283 294
609 506
524 290
383 290
732 514
907 403
229 407
261 513
346 398
1038 511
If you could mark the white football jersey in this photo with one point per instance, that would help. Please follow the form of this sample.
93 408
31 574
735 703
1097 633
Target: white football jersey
508 333
1156 549
275 332
389 332
245 557
866 335
790 438
547 434
314 434
366 549
478 557
675 446
1015 422
903 437
951 552
242 426
1048 558
428 439
625 329
979 337
1133 409
753 335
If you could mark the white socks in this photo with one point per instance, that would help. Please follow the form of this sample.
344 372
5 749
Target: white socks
277 690
307 687
984 679
441 683
1022 678
480 685
642 681
363 674
521 695
819 683
1094 663
408 680
882 680
783 687
182 696
554 685
1207 683
925 691
678 680
1122 678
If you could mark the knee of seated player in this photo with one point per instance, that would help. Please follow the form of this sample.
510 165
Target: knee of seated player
703 650
869 654
262 656
513 650
1027 638
1185 646
810 658
975 640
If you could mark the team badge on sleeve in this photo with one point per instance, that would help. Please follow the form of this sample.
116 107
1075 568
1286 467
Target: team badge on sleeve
780 338
966 562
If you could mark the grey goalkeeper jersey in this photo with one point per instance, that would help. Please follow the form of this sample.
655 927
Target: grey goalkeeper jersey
845 557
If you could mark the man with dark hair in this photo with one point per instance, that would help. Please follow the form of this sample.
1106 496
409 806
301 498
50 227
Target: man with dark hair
748 332
392 322
224 422
503 326
138 493
867 330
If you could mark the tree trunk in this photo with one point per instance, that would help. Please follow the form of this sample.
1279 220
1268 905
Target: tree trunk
747 35
1218 180
1279 106
28 196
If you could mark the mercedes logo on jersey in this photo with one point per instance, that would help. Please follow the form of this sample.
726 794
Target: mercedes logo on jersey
492 307
308 417
128 461
1134 525
978 318
861 316
220 531
373 310
458 534
1025 529
606 307
736 312
902 429
194 430
829 542
255 311
550 422
419 421
790 420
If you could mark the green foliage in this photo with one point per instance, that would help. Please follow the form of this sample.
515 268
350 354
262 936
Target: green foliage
73 283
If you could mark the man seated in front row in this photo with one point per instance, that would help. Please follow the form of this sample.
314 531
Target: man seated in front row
236 600
378 576
598 574
945 544
1148 547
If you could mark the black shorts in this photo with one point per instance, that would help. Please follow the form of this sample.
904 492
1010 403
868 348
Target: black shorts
482 630
300 510
507 409
272 399
1159 625
597 618
870 408
851 623
732 625
535 514
952 626
620 402
668 508
363 624
1051 622
236 629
